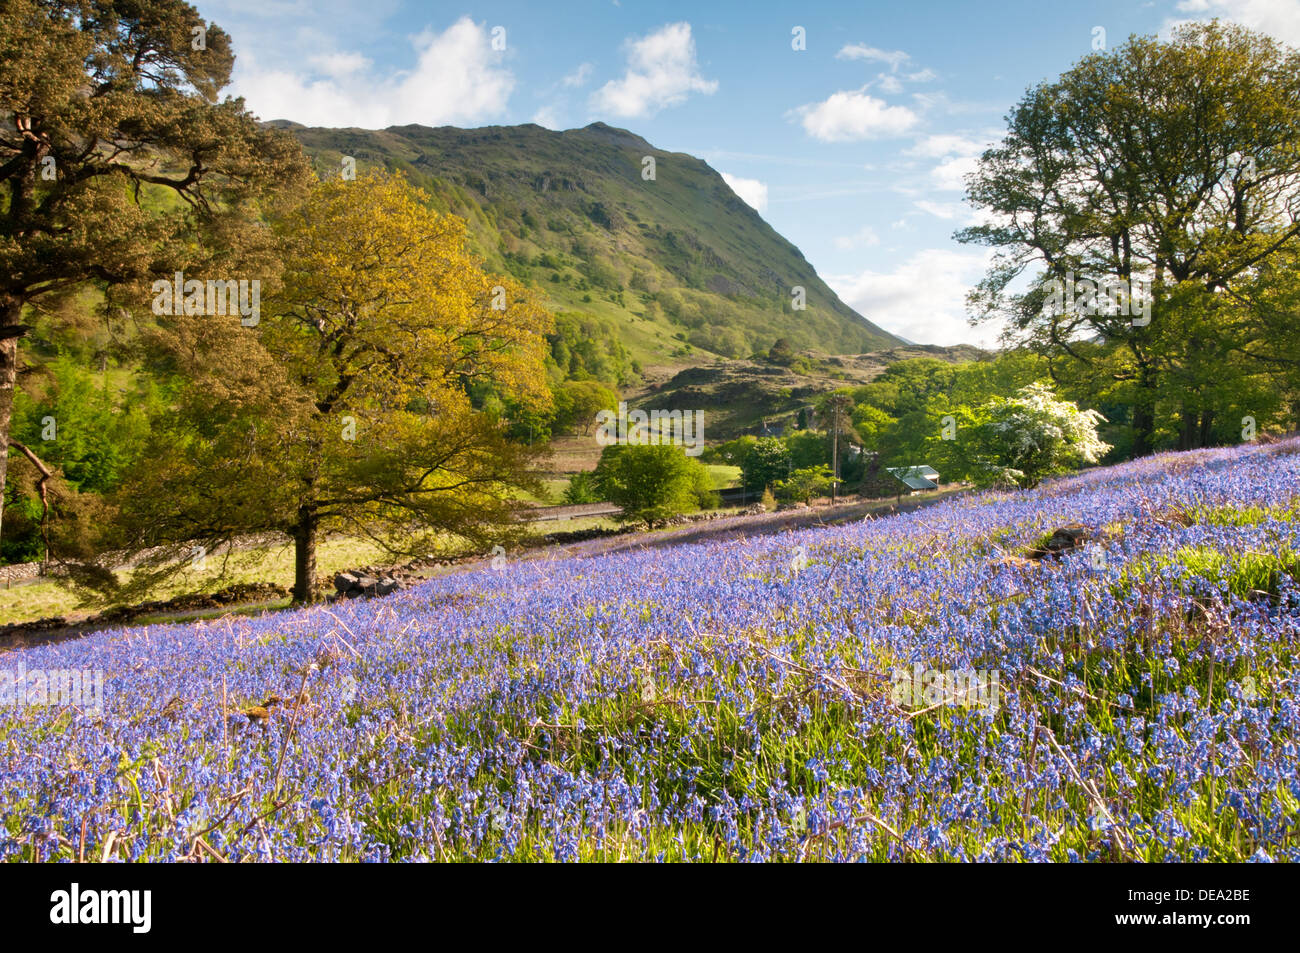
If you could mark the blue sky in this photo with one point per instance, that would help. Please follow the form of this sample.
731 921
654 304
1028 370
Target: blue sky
853 148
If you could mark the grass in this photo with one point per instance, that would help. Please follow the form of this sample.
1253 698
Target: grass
723 476
273 564
269 564
1247 575
1225 515
552 492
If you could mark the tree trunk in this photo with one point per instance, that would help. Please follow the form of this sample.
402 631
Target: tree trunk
304 554
9 332
1143 425
44 475
1207 428
1144 413
1189 429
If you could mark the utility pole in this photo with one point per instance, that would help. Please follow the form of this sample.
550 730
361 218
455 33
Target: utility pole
837 403
835 452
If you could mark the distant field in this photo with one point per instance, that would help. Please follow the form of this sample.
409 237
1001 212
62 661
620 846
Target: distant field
268 565
274 564
723 476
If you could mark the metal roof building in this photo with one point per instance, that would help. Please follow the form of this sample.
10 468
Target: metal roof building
921 477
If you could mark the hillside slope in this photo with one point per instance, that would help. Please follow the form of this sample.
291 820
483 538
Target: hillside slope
753 397
675 264
902 688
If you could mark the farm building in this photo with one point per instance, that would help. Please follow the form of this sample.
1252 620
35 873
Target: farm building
916 478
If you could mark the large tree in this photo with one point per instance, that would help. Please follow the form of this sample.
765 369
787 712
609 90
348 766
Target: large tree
653 482
347 408
117 159
1174 163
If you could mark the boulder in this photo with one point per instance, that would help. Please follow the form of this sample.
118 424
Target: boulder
1062 541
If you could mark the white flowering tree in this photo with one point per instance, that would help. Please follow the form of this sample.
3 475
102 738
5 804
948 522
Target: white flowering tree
1031 435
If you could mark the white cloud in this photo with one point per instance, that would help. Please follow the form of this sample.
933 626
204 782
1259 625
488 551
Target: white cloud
864 237
941 102
457 79
548 117
944 210
860 51
950 175
960 155
889 83
852 115
339 64
661 72
752 191
1278 18
945 144
579 76
923 299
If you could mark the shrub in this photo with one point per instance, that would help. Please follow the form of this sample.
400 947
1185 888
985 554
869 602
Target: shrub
805 484
1032 435
653 482
582 488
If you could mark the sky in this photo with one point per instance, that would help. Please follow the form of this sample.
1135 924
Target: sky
853 147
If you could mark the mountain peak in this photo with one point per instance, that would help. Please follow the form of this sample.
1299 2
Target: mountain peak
613 133
673 263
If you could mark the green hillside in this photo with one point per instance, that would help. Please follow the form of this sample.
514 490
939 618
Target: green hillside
670 267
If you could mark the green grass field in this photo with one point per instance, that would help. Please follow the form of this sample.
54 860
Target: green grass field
271 564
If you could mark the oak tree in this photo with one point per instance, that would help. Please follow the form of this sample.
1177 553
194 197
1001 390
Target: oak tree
347 408
1175 164
118 160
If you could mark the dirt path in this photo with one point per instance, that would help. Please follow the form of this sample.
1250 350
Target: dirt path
761 524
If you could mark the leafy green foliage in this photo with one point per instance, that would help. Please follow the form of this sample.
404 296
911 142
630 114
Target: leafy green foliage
578 402
804 484
767 461
349 405
582 488
730 452
1170 163
808 448
98 434
1021 439
120 162
584 347
653 482
568 212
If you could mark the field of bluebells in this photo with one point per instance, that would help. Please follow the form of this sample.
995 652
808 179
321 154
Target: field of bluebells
732 700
